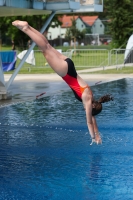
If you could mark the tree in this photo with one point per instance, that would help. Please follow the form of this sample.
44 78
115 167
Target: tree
73 33
19 37
119 13
118 20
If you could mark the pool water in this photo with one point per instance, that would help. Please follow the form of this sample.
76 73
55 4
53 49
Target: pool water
45 150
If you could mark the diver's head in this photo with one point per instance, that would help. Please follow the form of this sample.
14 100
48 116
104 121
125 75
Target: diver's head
96 108
97 105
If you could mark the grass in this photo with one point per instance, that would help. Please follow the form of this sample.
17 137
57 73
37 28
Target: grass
33 70
48 70
37 70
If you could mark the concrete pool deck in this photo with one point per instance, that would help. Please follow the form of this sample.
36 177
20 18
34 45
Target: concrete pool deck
26 87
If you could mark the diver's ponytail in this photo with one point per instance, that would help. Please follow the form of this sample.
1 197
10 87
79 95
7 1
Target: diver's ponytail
105 98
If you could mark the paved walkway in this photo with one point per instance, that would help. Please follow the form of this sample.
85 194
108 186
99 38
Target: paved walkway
27 87
54 77
104 68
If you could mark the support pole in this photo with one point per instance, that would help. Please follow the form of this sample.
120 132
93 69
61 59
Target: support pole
28 52
1 73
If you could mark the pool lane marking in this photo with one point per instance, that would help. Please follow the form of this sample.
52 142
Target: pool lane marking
98 82
40 94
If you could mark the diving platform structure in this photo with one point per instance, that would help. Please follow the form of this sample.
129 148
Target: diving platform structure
41 7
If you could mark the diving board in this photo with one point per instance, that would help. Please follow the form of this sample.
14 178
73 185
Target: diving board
39 7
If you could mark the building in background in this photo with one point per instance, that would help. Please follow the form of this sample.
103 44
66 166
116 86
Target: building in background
92 23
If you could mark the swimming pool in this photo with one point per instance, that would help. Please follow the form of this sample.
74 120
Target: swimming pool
45 150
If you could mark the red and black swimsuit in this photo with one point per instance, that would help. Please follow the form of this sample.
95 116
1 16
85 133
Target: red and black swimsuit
71 80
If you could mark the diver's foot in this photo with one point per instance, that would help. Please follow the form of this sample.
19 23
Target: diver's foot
22 25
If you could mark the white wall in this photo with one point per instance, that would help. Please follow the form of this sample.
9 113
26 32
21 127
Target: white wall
55 32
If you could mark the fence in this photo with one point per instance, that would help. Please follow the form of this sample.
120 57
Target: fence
93 58
89 58
118 57
85 58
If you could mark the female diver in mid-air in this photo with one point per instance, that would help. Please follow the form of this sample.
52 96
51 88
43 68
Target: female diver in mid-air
65 68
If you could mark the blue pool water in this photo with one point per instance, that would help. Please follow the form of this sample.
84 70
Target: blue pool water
45 151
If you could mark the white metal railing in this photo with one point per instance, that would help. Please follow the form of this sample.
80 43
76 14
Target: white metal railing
90 58
87 58
121 57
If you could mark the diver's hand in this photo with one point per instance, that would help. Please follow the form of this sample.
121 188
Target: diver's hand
93 141
98 139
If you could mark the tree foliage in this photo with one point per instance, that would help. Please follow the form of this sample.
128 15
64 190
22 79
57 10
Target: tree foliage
118 20
15 34
73 33
117 17
120 16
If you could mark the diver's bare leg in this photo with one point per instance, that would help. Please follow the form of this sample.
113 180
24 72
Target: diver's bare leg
53 57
